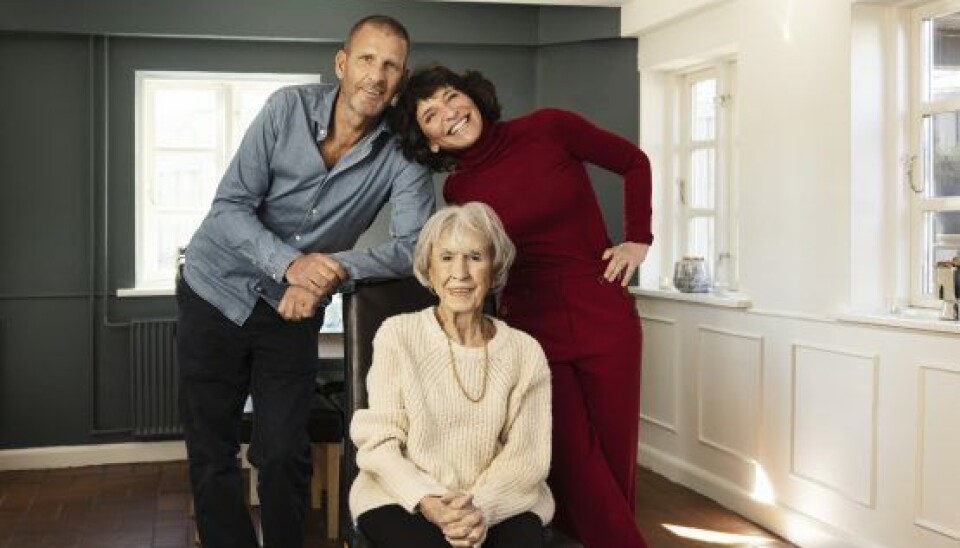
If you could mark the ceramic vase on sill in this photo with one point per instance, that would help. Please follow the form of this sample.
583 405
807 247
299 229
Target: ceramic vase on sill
691 275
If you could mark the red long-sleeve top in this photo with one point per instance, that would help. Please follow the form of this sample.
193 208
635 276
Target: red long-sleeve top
531 171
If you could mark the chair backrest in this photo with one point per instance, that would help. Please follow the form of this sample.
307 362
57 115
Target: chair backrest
363 312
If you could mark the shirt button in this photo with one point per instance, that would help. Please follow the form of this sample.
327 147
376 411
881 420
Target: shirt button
313 211
258 289
297 237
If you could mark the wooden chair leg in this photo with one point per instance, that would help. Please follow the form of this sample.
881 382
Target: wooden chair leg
333 489
319 476
254 477
191 511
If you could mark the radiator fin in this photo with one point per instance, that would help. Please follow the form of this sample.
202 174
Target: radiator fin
154 379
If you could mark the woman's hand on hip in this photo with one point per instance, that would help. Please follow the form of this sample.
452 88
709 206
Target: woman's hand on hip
623 260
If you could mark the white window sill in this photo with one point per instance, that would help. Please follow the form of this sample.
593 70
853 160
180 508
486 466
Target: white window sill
146 292
921 319
725 300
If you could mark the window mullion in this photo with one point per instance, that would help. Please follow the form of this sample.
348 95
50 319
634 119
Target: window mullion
682 182
943 203
225 136
929 108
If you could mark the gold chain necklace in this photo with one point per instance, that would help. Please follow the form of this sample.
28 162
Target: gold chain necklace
456 372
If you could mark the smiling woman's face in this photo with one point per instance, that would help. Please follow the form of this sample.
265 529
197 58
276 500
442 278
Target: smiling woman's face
449 119
460 271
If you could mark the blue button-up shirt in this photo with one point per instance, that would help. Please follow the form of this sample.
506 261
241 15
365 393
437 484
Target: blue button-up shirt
277 200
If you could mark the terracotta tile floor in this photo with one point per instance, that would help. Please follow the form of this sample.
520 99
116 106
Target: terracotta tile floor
147 506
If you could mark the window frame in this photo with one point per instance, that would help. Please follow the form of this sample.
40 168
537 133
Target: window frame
227 135
679 128
920 107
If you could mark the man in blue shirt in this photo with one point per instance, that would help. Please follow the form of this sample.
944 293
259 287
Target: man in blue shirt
312 172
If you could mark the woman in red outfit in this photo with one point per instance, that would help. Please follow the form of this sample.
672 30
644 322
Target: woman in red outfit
567 286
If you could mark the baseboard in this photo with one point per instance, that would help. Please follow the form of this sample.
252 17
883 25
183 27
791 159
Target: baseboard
797 528
91 455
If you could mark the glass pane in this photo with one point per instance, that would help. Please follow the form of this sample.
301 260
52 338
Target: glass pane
333 315
183 180
250 98
702 181
173 231
943 243
700 238
251 101
945 52
942 141
185 118
703 110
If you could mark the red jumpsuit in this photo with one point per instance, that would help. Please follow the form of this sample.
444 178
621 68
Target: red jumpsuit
531 171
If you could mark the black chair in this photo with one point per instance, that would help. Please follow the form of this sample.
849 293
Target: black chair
363 312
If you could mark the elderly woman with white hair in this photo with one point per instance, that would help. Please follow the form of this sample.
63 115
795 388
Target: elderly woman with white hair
454 449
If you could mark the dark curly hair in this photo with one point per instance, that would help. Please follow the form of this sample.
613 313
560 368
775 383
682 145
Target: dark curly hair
423 83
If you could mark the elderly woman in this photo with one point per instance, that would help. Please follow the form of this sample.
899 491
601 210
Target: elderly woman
454 448
567 286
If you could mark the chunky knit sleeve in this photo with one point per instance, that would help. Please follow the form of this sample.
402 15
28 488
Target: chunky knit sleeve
514 481
380 432
592 144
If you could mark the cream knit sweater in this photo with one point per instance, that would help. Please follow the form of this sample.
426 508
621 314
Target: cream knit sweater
421 436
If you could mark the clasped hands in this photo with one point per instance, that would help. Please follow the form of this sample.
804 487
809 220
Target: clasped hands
460 521
311 277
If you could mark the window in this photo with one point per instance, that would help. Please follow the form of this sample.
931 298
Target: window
703 168
188 127
934 162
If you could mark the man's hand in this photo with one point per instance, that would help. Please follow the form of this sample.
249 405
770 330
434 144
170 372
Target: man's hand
298 304
318 273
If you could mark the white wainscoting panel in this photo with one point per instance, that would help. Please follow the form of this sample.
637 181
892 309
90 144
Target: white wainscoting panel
834 420
730 380
658 396
938 454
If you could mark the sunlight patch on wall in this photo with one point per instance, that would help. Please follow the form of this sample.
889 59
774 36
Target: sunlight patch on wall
762 487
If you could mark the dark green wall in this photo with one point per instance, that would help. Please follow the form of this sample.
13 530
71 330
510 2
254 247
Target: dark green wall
599 80
67 171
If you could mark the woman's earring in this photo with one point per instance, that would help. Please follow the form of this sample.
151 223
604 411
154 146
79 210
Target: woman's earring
434 148
394 101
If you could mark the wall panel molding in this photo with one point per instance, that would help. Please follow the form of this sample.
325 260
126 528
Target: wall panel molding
659 388
938 450
729 413
833 420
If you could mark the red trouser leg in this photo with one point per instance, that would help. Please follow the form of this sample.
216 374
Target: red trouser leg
594 452
591 334
611 389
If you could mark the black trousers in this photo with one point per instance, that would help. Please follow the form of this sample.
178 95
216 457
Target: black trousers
393 527
274 361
